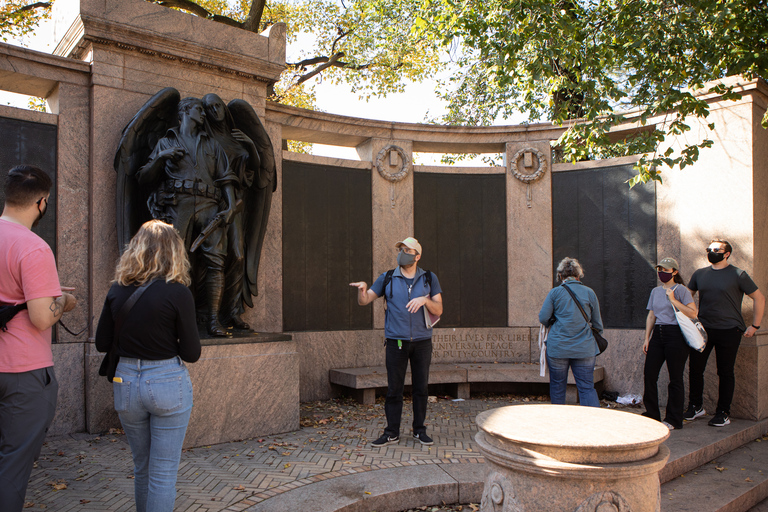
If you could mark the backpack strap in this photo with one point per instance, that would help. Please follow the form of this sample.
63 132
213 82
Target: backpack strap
387 280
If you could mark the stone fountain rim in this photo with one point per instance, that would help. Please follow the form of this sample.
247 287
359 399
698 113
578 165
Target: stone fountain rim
573 445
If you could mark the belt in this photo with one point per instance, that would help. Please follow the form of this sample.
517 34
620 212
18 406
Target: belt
193 187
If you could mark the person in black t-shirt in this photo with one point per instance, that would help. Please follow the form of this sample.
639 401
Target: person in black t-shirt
721 288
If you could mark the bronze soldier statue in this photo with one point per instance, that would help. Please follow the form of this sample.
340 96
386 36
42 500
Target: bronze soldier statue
199 172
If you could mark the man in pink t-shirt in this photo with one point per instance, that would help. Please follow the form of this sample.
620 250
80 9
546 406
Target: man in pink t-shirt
28 386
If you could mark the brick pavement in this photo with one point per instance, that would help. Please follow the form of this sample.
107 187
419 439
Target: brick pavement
94 472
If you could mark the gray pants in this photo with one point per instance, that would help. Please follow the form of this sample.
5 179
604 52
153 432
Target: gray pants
27 406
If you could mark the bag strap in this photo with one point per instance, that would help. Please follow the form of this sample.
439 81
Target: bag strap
128 305
586 319
674 308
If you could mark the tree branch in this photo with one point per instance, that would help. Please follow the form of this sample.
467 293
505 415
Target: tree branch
197 10
342 34
36 5
253 21
330 62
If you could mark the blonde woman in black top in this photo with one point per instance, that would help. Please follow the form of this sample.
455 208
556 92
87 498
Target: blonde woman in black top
152 389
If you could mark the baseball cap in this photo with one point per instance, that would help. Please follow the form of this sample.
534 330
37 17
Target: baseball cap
668 263
410 243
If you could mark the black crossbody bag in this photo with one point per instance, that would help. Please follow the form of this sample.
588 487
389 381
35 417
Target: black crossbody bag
7 312
602 343
109 363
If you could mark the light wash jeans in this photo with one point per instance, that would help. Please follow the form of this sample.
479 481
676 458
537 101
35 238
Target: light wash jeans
154 403
583 373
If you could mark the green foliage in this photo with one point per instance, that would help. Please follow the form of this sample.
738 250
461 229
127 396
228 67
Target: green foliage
38 104
19 17
593 60
367 45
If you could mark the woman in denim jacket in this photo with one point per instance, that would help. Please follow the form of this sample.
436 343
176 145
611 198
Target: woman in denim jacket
152 389
570 342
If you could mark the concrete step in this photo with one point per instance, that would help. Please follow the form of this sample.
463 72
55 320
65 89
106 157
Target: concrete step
698 443
732 482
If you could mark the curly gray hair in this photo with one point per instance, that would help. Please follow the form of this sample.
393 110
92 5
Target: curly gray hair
569 267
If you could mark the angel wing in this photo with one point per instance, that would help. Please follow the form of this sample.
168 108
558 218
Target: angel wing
258 197
137 141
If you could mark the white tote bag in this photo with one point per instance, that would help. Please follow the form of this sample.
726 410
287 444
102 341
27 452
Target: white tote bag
693 331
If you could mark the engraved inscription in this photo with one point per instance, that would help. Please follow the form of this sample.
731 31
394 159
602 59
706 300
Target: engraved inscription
481 345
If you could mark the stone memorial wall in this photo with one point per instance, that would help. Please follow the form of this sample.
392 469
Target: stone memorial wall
113 55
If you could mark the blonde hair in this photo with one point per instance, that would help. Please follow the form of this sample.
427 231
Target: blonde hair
156 251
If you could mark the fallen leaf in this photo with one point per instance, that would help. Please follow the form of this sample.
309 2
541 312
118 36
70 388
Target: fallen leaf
719 469
747 479
238 488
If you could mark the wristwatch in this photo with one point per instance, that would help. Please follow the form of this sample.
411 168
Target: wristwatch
757 327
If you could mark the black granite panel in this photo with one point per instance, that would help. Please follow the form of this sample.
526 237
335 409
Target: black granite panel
25 142
611 230
327 243
460 221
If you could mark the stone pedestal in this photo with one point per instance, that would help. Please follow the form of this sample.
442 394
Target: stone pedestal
243 387
563 458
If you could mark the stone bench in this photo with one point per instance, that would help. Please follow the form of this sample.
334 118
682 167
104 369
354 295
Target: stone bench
364 381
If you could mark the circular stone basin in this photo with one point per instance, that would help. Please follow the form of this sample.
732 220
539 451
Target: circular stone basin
572 434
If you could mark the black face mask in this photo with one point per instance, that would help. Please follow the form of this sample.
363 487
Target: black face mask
664 277
715 257
40 213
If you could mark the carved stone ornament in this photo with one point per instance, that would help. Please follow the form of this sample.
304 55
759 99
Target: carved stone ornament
499 494
384 169
606 501
540 170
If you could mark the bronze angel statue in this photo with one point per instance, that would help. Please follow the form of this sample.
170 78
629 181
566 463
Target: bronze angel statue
208 169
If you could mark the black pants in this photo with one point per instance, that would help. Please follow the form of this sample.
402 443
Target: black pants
667 344
726 344
420 355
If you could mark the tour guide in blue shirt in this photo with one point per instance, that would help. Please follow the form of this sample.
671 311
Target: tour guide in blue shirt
407 336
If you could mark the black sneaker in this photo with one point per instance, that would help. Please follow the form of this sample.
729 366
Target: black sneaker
423 438
721 419
384 440
694 412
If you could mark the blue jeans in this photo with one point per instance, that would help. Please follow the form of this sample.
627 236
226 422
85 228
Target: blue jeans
154 403
420 355
583 372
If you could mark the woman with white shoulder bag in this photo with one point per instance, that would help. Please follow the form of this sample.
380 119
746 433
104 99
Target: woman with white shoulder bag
664 341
